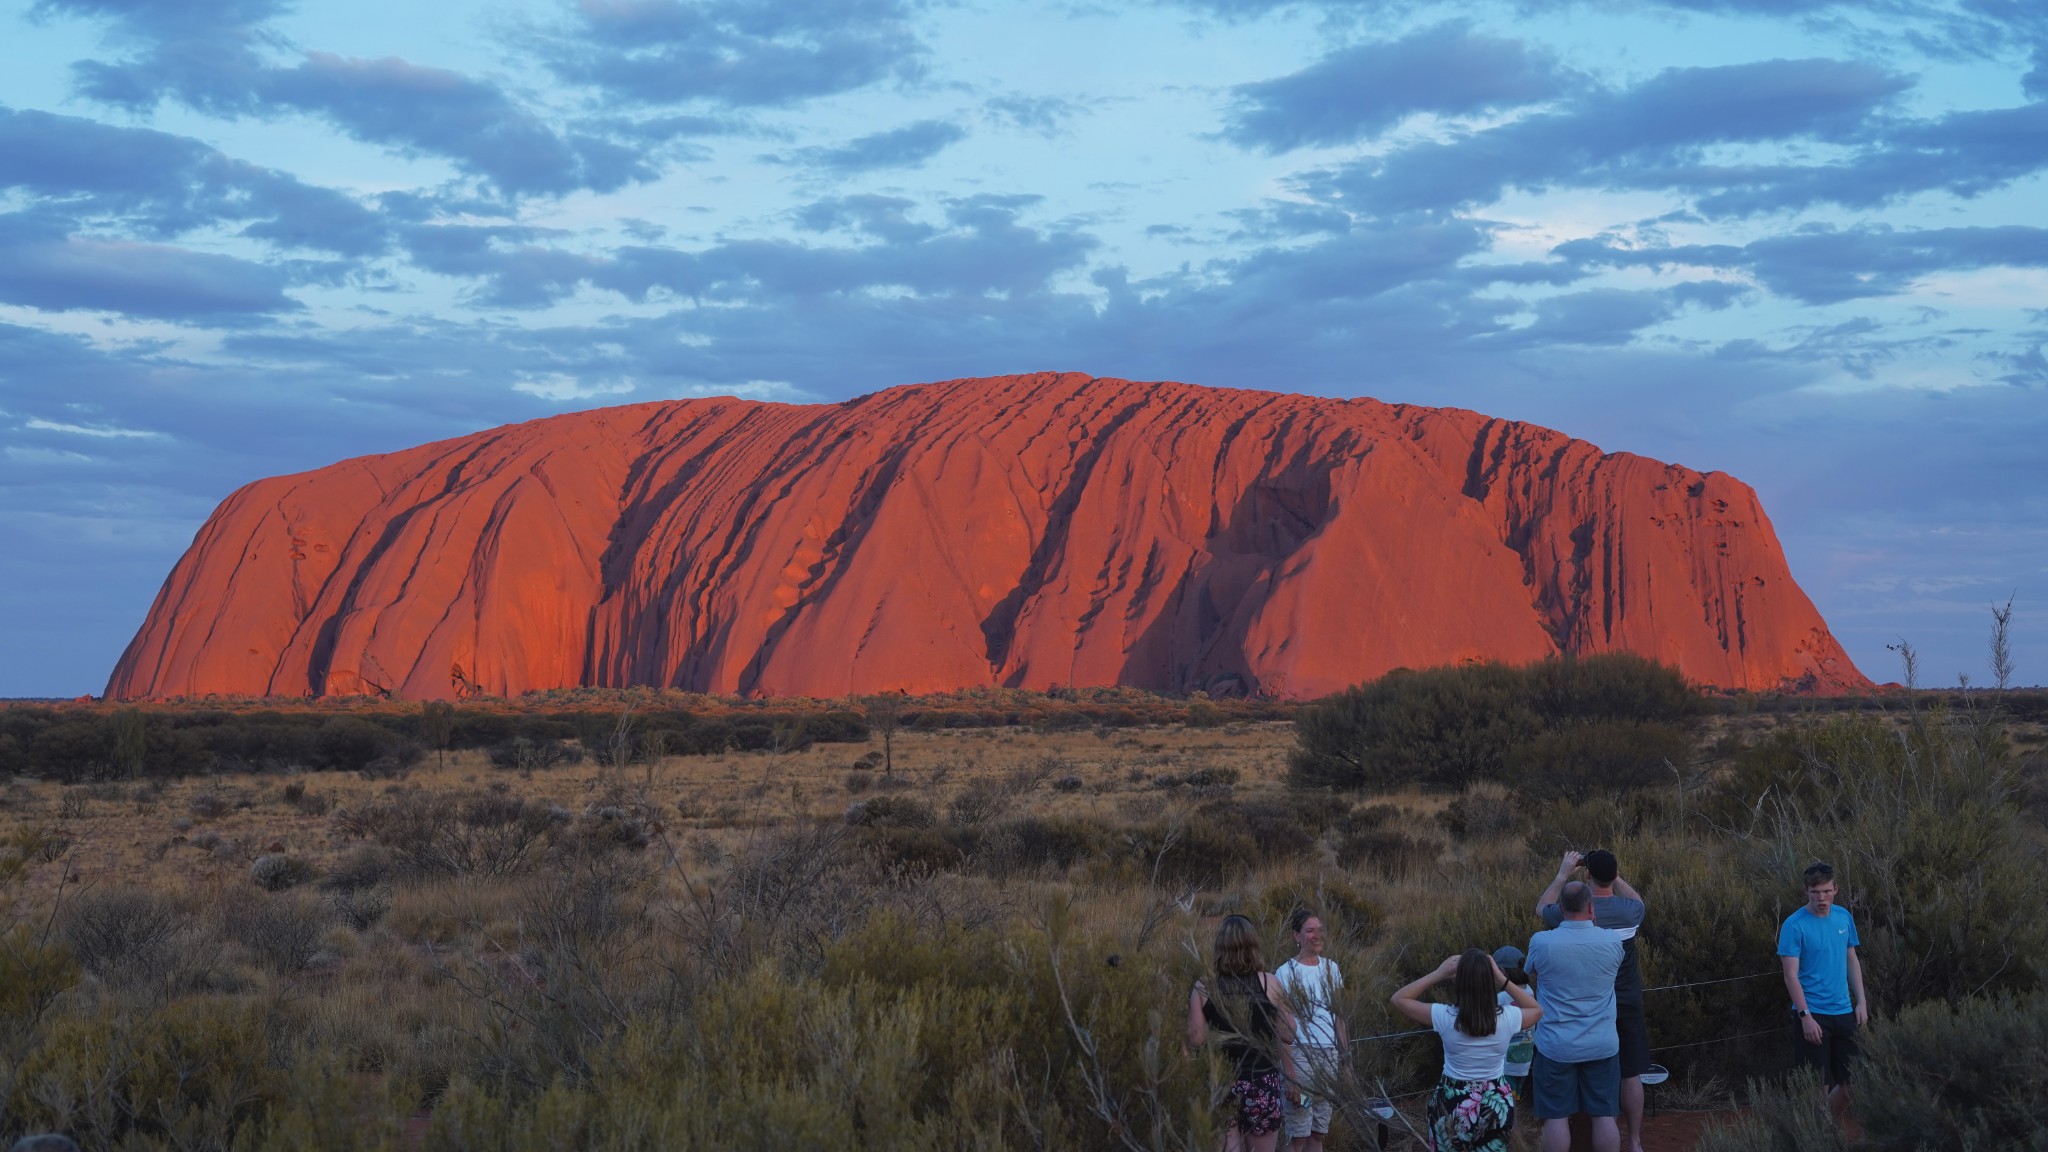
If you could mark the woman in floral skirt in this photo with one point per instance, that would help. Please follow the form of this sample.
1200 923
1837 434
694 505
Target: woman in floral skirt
1244 1004
1473 1107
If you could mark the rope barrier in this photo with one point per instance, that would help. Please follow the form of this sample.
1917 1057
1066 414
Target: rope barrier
1704 983
1394 1035
1720 1040
1384 1036
1658 988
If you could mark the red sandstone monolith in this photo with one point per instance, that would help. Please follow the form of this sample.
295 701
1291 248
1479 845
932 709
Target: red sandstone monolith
1025 531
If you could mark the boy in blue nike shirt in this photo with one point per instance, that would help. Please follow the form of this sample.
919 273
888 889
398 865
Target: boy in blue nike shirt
1817 946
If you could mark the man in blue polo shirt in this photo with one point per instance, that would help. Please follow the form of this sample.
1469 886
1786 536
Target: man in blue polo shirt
1817 946
1577 1067
1616 905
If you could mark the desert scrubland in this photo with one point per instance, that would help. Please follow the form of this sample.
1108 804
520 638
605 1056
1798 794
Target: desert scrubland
982 937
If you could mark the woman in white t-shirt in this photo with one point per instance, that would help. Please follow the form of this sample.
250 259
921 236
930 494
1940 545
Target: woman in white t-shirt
1311 982
1473 1107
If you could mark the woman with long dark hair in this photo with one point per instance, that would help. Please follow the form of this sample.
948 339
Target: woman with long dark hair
1473 1107
1243 1003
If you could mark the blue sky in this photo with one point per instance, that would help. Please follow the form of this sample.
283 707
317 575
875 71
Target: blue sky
1799 241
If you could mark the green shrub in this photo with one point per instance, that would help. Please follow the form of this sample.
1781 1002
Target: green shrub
1199 851
1618 687
1047 843
121 934
1447 727
1380 839
467 834
330 1108
977 803
525 754
193 1074
1442 727
1351 919
277 871
359 908
906 1037
1591 758
1923 829
1780 1118
891 812
1969 1078
904 850
1598 822
1280 829
281 933
33 973
362 866
351 744
1384 851
1791 767
1483 811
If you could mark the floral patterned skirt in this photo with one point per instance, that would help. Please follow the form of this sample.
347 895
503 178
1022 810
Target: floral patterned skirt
1471 1115
1258 1102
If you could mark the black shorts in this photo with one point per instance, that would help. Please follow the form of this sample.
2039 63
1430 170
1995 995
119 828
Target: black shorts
1635 1039
1836 1050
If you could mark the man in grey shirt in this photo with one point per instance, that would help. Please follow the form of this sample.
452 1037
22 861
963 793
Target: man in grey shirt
1616 906
1578 1063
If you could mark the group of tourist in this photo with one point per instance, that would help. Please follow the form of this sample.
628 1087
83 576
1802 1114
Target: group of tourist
1579 1036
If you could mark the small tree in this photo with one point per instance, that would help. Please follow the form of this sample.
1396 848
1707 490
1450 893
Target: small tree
884 712
131 741
618 749
437 728
2001 642
1909 660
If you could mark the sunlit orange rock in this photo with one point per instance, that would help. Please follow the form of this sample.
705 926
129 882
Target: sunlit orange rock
1028 531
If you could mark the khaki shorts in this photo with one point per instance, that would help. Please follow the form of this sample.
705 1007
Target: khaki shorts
1310 1062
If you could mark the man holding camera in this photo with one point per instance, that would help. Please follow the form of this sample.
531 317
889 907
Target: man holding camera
1617 907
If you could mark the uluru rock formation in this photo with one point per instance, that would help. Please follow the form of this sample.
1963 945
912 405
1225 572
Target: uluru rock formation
1026 531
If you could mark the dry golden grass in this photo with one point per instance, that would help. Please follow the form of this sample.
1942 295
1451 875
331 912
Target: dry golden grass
451 982
166 834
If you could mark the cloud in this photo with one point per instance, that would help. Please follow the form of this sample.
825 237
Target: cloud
515 269
57 273
218 64
99 431
413 109
735 53
167 19
984 248
888 217
1044 115
165 185
1828 266
1613 316
1363 90
1645 136
1387 10
907 147
1963 153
